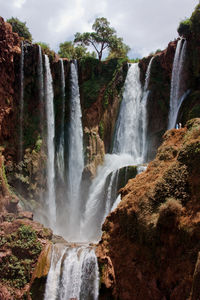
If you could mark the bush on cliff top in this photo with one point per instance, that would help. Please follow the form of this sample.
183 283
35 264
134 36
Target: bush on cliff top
20 28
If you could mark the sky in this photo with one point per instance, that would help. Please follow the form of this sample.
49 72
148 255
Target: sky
144 25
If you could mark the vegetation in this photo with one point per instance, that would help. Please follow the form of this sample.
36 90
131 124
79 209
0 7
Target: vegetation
68 50
16 268
103 37
184 28
20 28
46 48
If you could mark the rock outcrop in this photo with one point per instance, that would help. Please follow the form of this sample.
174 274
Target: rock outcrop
152 239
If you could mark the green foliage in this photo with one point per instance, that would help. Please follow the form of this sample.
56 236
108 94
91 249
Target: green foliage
20 28
184 28
68 50
38 144
101 130
16 268
46 49
134 60
103 37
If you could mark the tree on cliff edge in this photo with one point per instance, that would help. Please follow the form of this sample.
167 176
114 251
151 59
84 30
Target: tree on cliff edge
103 37
20 28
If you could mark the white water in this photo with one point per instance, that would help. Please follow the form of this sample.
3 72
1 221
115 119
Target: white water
61 147
144 112
49 96
96 207
128 130
75 158
73 274
128 149
176 82
52 285
21 132
41 88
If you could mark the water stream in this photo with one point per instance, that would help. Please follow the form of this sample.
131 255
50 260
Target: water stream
49 96
176 93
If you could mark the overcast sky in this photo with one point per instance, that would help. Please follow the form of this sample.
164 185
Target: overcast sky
145 25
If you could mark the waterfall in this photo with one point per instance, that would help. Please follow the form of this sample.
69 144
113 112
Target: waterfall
176 82
61 147
41 88
129 148
130 116
49 96
21 132
79 276
75 158
97 207
52 285
144 111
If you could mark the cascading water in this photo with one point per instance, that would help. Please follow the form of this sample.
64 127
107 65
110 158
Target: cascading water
176 82
75 158
97 206
61 148
79 277
128 149
41 88
21 103
77 266
130 116
49 96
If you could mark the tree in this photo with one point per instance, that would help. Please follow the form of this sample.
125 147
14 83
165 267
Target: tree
101 38
68 50
20 28
118 49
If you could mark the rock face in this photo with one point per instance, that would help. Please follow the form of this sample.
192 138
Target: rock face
22 243
152 239
9 46
158 100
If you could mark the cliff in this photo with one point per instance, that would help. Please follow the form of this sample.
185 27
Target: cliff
150 243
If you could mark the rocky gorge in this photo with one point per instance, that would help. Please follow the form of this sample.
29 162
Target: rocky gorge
149 247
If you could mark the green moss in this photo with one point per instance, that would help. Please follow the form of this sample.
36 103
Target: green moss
16 268
101 130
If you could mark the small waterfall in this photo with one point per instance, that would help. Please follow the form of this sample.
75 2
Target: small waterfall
97 207
176 82
79 276
52 285
41 88
49 96
144 111
61 147
21 131
75 159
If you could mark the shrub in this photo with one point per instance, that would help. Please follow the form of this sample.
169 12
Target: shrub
20 28
184 28
169 213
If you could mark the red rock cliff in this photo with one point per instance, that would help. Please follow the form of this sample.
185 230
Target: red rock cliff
150 243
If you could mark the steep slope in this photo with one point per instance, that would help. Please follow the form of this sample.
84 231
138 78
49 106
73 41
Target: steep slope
150 243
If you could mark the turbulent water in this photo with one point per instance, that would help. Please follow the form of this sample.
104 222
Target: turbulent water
21 103
49 95
176 93
79 276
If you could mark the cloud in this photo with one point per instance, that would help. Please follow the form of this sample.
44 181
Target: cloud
144 25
